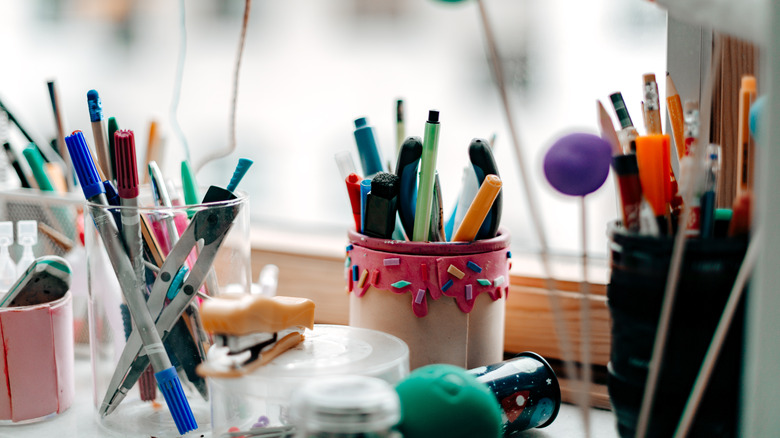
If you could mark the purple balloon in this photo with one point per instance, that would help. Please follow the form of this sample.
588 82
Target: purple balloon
578 164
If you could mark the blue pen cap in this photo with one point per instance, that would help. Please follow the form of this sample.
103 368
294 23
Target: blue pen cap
95 106
83 165
367 147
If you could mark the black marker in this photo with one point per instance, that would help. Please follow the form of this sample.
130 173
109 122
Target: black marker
14 160
381 206
484 164
406 169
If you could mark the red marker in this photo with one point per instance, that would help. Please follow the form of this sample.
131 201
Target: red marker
627 171
353 188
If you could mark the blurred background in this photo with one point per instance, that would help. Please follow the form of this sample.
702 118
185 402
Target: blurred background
311 67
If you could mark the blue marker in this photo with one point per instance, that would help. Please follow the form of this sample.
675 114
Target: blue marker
370 157
365 188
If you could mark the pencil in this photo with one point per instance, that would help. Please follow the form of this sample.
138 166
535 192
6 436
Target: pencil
478 209
608 129
652 106
675 111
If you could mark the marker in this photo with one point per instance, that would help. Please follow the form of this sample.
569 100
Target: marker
478 210
127 189
113 127
400 128
653 174
484 164
370 156
132 289
381 206
628 133
422 216
35 160
365 188
99 133
745 147
675 110
353 189
152 146
406 169
627 171
189 186
652 105
14 160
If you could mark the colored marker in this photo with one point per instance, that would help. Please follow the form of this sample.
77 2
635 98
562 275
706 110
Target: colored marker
422 216
113 127
99 133
381 206
653 174
484 164
35 160
370 156
478 209
353 189
627 170
365 188
406 169
14 160
745 147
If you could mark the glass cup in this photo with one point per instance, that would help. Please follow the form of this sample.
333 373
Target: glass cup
187 238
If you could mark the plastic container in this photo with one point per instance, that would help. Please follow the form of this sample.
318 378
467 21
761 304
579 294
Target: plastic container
38 381
635 293
143 412
445 300
262 398
346 407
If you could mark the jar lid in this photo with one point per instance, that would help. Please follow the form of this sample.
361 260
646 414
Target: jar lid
345 404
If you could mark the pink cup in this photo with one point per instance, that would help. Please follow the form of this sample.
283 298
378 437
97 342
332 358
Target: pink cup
445 300
36 367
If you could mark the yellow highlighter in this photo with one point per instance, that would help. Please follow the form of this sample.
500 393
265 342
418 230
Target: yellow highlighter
478 209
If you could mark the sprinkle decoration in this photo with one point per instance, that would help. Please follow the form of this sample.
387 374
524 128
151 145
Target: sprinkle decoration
400 284
355 271
455 272
473 266
483 281
499 281
469 293
363 276
447 285
395 261
350 247
420 295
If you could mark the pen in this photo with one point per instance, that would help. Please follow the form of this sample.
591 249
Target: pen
14 160
370 156
708 198
484 164
478 209
189 186
381 206
627 134
406 169
745 151
422 215
652 105
353 189
675 110
161 198
436 231
132 289
468 190
400 128
99 133
152 146
345 164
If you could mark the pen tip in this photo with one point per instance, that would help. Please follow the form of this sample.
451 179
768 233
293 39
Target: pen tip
433 116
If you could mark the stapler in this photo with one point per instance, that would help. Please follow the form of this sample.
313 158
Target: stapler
251 330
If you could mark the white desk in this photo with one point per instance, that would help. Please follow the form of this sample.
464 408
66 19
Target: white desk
79 421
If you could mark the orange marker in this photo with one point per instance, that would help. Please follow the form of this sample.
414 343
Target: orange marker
745 151
675 111
478 210
653 172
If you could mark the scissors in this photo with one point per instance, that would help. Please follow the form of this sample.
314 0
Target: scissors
210 226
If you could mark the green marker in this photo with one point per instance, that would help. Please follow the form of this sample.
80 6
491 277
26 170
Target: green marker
189 186
422 215
113 126
35 160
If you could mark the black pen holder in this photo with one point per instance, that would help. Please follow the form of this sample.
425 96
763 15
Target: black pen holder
143 412
639 269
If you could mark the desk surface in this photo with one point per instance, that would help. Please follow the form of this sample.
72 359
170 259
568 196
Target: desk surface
79 421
